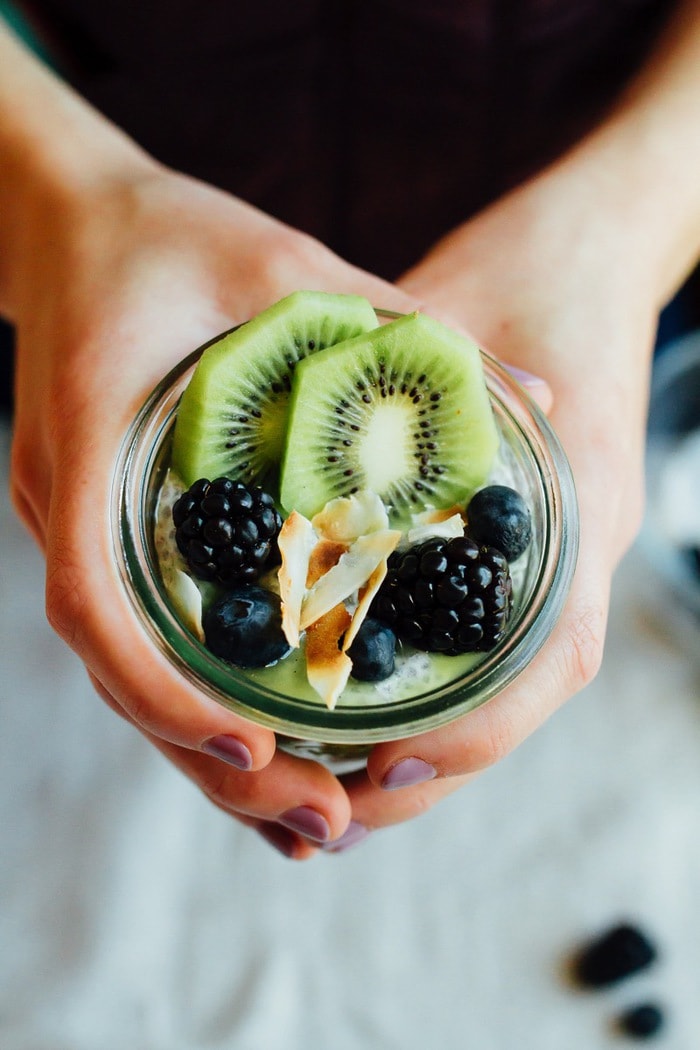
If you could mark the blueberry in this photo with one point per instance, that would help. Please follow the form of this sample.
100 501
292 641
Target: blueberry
642 1021
372 652
245 628
497 516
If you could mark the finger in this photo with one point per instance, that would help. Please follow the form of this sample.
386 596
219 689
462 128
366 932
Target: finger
483 737
538 388
88 607
374 808
290 843
299 796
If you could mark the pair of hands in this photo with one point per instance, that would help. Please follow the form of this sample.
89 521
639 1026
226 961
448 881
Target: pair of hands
120 279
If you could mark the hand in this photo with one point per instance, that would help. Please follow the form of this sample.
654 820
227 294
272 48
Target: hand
544 281
115 283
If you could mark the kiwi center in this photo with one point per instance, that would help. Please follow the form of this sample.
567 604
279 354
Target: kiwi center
387 431
383 438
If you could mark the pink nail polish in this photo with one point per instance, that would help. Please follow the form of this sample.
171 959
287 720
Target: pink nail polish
229 749
353 834
307 822
526 379
407 773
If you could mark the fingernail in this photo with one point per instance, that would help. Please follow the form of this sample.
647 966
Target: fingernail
279 838
306 821
354 833
229 749
407 772
526 379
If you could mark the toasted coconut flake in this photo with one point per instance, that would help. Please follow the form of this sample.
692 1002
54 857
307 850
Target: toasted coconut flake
327 667
187 600
296 542
366 595
347 518
324 556
434 515
447 529
351 573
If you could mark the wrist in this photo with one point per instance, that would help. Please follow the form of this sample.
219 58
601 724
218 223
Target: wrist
56 153
642 162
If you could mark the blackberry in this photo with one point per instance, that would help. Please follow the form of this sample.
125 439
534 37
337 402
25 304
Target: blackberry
447 596
226 531
616 954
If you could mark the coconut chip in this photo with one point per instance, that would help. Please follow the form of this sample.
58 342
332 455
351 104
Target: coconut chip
187 600
296 542
352 572
327 667
324 556
347 518
367 593
446 529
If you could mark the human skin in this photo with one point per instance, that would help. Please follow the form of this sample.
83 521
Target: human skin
114 267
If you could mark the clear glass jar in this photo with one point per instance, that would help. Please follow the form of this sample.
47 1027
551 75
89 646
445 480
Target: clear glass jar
532 460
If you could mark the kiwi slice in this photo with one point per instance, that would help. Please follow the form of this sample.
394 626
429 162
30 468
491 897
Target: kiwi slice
403 411
232 418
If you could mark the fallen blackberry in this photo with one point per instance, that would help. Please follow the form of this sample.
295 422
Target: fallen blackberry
226 531
447 596
620 952
642 1021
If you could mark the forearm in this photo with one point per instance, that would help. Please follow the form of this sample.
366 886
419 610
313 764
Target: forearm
642 163
53 147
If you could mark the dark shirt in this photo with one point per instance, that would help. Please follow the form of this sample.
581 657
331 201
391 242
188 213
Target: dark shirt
376 125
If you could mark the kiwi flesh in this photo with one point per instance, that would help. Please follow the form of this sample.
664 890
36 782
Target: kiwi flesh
402 410
232 417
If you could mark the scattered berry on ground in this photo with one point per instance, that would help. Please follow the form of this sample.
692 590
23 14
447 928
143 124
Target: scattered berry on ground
226 531
642 1021
373 651
497 516
447 596
620 952
245 628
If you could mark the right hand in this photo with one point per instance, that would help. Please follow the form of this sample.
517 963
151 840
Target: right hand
116 281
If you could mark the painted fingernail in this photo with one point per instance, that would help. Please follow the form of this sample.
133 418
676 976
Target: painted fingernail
229 749
279 838
354 833
526 379
407 772
306 821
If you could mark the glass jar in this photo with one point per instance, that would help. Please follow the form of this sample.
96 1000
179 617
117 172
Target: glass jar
531 460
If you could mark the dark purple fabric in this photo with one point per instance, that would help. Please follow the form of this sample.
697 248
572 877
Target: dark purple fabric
376 125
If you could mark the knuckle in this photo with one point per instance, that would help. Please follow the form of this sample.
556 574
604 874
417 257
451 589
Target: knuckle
290 253
583 645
